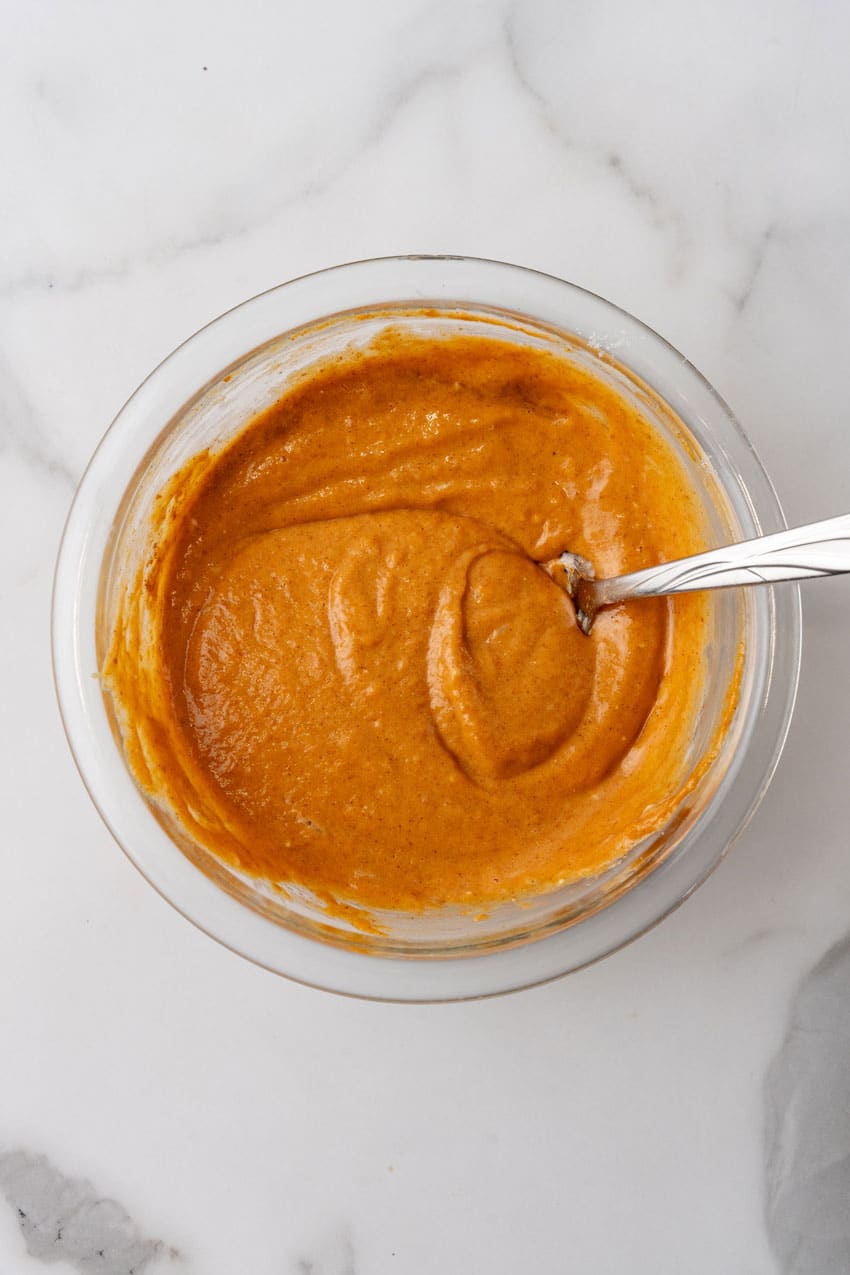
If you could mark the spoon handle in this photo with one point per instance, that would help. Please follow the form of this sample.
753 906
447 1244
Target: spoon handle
818 549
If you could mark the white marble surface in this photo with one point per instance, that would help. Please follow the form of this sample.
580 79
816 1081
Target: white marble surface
679 1108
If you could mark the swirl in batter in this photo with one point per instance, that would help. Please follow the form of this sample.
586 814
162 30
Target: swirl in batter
343 668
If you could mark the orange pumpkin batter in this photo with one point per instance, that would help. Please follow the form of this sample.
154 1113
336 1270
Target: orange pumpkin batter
343 668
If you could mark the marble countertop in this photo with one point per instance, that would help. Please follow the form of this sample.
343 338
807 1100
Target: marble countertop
682 1107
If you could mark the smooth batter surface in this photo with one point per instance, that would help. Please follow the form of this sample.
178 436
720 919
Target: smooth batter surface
343 667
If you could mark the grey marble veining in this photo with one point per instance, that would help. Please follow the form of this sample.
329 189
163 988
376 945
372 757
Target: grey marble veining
22 433
687 162
335 1256
807 1150
65 1219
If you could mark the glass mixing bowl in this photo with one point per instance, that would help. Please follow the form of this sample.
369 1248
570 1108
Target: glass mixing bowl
205 392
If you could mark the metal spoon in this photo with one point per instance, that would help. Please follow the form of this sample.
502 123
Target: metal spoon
819 549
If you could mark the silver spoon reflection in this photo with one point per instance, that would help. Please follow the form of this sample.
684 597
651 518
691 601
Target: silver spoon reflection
802 553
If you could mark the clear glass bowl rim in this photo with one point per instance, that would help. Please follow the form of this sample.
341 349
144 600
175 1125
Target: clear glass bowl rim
445 281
